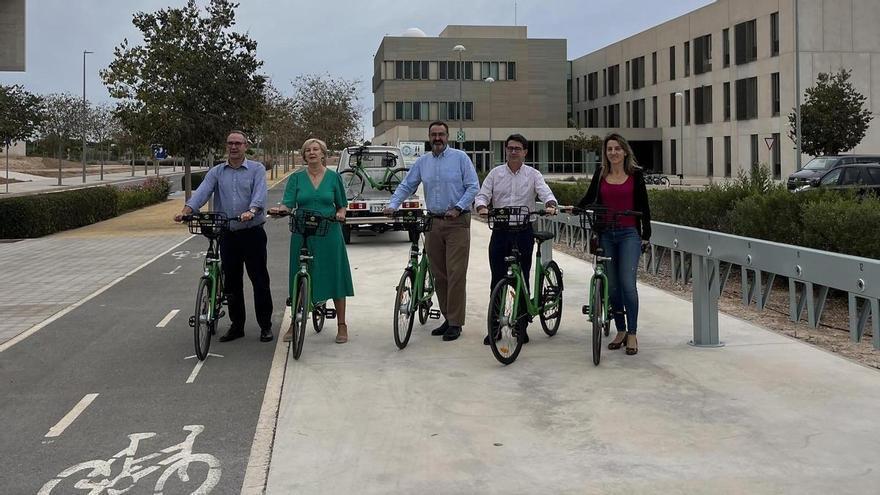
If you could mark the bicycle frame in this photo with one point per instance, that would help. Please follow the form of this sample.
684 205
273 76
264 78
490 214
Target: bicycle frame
599 272
358 169
212 271
514 271
304 257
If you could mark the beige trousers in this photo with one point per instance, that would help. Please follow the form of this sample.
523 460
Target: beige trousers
448 247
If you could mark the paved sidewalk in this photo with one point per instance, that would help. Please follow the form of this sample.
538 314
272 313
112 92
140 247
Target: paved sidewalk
36 184
765 414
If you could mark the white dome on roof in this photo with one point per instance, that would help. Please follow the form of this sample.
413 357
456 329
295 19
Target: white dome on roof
414 33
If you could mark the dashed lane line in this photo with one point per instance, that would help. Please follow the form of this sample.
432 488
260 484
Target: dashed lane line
71 416
171 314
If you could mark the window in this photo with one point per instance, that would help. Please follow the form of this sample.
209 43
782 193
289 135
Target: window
703 54
725 51
671 63
407 110
874 174
417 70
592 117
638 113
484 72
469 110
703 105
493 70
654 110
604 82
687 58
673 157
443 73
710 158
468 71
777 157
727 162
746 40
726 101
605 115
627 75
614 115
638 73
672 105
747 98
774 34
614 79
511 71
687 107
577 92
398 69
754 150
628 124
830 179
774 93
593 86
398 110
654 68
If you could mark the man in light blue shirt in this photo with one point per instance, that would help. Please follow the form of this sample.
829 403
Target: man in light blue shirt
450 184
239 190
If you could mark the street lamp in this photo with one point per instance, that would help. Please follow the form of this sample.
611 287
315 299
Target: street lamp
84 117
681 130
797 86
489 81
459 49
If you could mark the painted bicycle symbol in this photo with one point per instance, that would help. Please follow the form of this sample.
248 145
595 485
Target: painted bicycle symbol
97 476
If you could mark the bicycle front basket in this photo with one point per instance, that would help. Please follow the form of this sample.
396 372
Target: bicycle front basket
309 223
209 224
509 218
413 220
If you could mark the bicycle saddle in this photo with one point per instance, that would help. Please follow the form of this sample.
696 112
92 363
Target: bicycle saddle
543 235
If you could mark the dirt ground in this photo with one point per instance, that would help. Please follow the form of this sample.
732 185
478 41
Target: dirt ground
48 167
832 334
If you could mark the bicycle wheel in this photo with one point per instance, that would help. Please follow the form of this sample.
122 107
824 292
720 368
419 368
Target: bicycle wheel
551 298
300 314
219 301
394 180
427 295
597 307
353 183
202 324
663 181
404 309
318 316
503 338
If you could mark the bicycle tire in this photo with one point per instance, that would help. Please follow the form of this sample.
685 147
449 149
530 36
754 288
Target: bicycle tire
353 183
202 324
403 309
300 315
218 301
551 291
394 180
597 306
504 342
319 316
427 295
663 181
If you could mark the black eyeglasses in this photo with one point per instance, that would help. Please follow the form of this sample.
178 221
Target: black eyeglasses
515 149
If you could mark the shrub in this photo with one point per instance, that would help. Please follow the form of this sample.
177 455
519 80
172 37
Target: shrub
151 191
842 224
42 214
568 193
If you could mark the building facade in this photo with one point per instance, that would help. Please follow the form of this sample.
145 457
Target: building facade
12 35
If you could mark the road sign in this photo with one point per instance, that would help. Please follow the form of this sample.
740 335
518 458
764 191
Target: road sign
160 152
769 141
460 136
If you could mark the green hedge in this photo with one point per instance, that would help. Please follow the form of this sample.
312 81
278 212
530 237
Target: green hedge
43 214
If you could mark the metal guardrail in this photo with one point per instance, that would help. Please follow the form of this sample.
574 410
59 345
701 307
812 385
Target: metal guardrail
706 258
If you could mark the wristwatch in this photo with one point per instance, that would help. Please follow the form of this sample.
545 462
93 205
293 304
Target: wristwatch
254 211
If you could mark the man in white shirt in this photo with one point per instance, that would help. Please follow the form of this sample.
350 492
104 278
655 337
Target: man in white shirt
513 184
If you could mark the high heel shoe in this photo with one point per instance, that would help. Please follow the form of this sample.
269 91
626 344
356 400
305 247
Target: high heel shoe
341 337
632 344
617 344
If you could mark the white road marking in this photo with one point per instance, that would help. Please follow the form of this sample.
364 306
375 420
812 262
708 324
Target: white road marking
195 371
34 329
172 272
171 314
70 417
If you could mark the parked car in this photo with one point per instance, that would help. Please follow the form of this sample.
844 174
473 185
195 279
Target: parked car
816 167
863 177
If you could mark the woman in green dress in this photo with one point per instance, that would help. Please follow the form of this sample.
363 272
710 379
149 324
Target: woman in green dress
318 189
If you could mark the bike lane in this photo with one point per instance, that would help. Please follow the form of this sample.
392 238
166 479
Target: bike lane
117 366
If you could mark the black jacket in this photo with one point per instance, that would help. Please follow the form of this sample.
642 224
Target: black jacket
640 202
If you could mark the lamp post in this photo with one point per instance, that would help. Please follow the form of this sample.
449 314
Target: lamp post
459 49
489 81
681 130
84 117
797 86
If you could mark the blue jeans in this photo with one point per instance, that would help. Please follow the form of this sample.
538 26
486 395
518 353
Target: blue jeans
623 246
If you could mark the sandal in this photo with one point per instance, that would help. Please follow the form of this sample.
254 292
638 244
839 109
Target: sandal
632 345
617 344
341 337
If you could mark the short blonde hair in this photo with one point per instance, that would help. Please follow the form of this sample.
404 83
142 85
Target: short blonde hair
311 141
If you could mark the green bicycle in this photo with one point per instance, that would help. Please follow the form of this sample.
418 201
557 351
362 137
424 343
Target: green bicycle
595 219
416 286
356 177
209 296
506 312
306 223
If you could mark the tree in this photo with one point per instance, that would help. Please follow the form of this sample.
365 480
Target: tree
62 122
327 109
103 124
833 117
21 114
582 142
192 81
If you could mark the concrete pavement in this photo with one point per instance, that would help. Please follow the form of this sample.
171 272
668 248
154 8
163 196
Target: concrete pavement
764 414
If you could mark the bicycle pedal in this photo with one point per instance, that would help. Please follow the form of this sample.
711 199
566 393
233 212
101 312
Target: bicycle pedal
329 313
434 314
221 314
287 303
585 309
192 321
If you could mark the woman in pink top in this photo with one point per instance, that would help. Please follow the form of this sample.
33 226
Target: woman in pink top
619 185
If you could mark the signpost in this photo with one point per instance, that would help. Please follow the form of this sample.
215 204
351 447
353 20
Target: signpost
159 153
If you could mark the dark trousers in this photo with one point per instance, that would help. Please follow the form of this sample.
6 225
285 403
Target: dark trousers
500 245
242 249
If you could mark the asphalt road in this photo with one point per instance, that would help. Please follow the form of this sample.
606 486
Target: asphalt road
146 382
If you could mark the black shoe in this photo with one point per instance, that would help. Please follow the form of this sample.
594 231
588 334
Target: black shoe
486 338
441 330
266 335
231 334
452 333
521 332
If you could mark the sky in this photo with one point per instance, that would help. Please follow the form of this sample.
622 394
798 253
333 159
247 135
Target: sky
332 37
